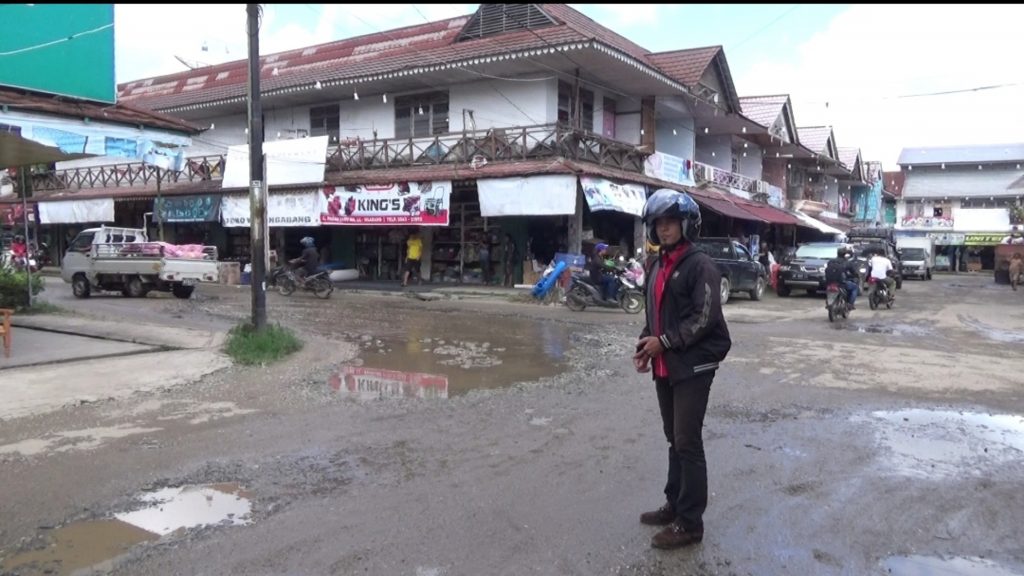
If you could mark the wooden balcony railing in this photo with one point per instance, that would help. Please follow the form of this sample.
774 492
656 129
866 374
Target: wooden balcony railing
475 148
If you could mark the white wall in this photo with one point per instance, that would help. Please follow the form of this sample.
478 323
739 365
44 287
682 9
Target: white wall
506 103
750 165
720 146
980 219
680 143
359 118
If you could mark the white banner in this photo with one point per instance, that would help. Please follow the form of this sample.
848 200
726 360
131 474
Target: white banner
283 210
299 161
395 204
548 195
604 194
77 211
669 168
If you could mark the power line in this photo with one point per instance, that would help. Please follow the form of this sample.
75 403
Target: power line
766 26
57 41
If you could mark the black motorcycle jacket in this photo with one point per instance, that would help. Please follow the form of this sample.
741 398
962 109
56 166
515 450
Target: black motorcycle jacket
693 328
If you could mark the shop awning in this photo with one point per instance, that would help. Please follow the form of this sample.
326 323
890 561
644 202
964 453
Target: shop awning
843 227
770 213
93 211
818 225
724 207
541 195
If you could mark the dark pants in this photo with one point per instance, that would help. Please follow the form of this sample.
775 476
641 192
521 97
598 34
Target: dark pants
609 287
682 415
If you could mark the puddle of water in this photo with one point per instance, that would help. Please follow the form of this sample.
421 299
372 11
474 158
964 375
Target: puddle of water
423 366
173 509
893 329
997 334
97 543
927 443
930 566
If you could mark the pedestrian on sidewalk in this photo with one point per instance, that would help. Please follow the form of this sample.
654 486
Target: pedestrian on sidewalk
684 340
413 253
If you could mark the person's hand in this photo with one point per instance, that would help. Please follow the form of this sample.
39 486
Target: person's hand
642 362
651 346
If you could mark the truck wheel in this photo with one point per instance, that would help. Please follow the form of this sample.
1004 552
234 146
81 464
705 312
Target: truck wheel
726 289
182 291
80 286
758 290
134 288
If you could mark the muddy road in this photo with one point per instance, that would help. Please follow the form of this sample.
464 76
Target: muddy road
474 436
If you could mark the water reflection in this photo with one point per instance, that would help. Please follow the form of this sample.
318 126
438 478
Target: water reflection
364 383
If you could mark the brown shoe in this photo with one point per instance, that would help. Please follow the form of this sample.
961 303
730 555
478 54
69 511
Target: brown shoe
675 536
661 517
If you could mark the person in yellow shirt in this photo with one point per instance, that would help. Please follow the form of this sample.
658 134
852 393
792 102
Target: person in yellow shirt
413 254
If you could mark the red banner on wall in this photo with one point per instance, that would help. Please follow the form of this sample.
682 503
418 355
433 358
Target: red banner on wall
395 204
13 214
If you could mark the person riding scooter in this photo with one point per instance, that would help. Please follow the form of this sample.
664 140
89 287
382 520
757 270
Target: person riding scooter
310 258
601 269
882 271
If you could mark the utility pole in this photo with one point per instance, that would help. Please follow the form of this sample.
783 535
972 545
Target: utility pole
28 241
160 205
258 185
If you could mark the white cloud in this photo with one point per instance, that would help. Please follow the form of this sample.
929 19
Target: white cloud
623 15
148 37
869 54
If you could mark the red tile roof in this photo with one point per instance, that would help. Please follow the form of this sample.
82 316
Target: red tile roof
764 110
893 182
686 66
119 113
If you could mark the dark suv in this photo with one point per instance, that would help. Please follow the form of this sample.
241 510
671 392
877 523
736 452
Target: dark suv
806 269
740 272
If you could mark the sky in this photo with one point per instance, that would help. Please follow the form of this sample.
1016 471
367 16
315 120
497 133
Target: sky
857 68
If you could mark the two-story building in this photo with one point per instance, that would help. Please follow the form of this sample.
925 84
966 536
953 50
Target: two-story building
528 121
962 197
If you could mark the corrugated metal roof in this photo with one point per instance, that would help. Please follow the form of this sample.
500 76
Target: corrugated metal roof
380 53
961 183
120 113
848 156
893 182
962 154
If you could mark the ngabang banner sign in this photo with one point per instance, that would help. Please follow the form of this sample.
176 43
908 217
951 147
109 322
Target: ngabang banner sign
394 204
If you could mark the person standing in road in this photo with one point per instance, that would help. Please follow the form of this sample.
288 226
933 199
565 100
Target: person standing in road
684 340
1016 269
509 256
413 253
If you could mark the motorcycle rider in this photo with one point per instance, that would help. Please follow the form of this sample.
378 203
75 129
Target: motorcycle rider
19 252
843 269
881 271
310 258
600 267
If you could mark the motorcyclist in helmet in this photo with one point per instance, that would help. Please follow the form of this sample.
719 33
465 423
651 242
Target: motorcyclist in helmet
846 268
600 267
19 252
310 258
684 340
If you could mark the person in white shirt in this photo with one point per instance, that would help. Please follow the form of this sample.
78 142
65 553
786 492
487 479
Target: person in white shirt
880 269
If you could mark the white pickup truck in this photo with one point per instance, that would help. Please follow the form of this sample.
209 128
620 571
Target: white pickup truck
124 259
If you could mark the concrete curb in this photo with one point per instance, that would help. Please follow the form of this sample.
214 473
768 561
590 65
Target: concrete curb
135 333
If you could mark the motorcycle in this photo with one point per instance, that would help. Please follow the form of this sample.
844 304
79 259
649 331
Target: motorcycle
628 297
880 294
286 282
837 301
8 261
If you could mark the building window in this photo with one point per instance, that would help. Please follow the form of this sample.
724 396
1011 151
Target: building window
421 115
325 121
567 107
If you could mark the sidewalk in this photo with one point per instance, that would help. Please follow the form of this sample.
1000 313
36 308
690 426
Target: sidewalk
63 360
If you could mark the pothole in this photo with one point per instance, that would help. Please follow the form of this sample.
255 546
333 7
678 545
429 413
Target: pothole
437 367
97 543
992 333
891 329
928 443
